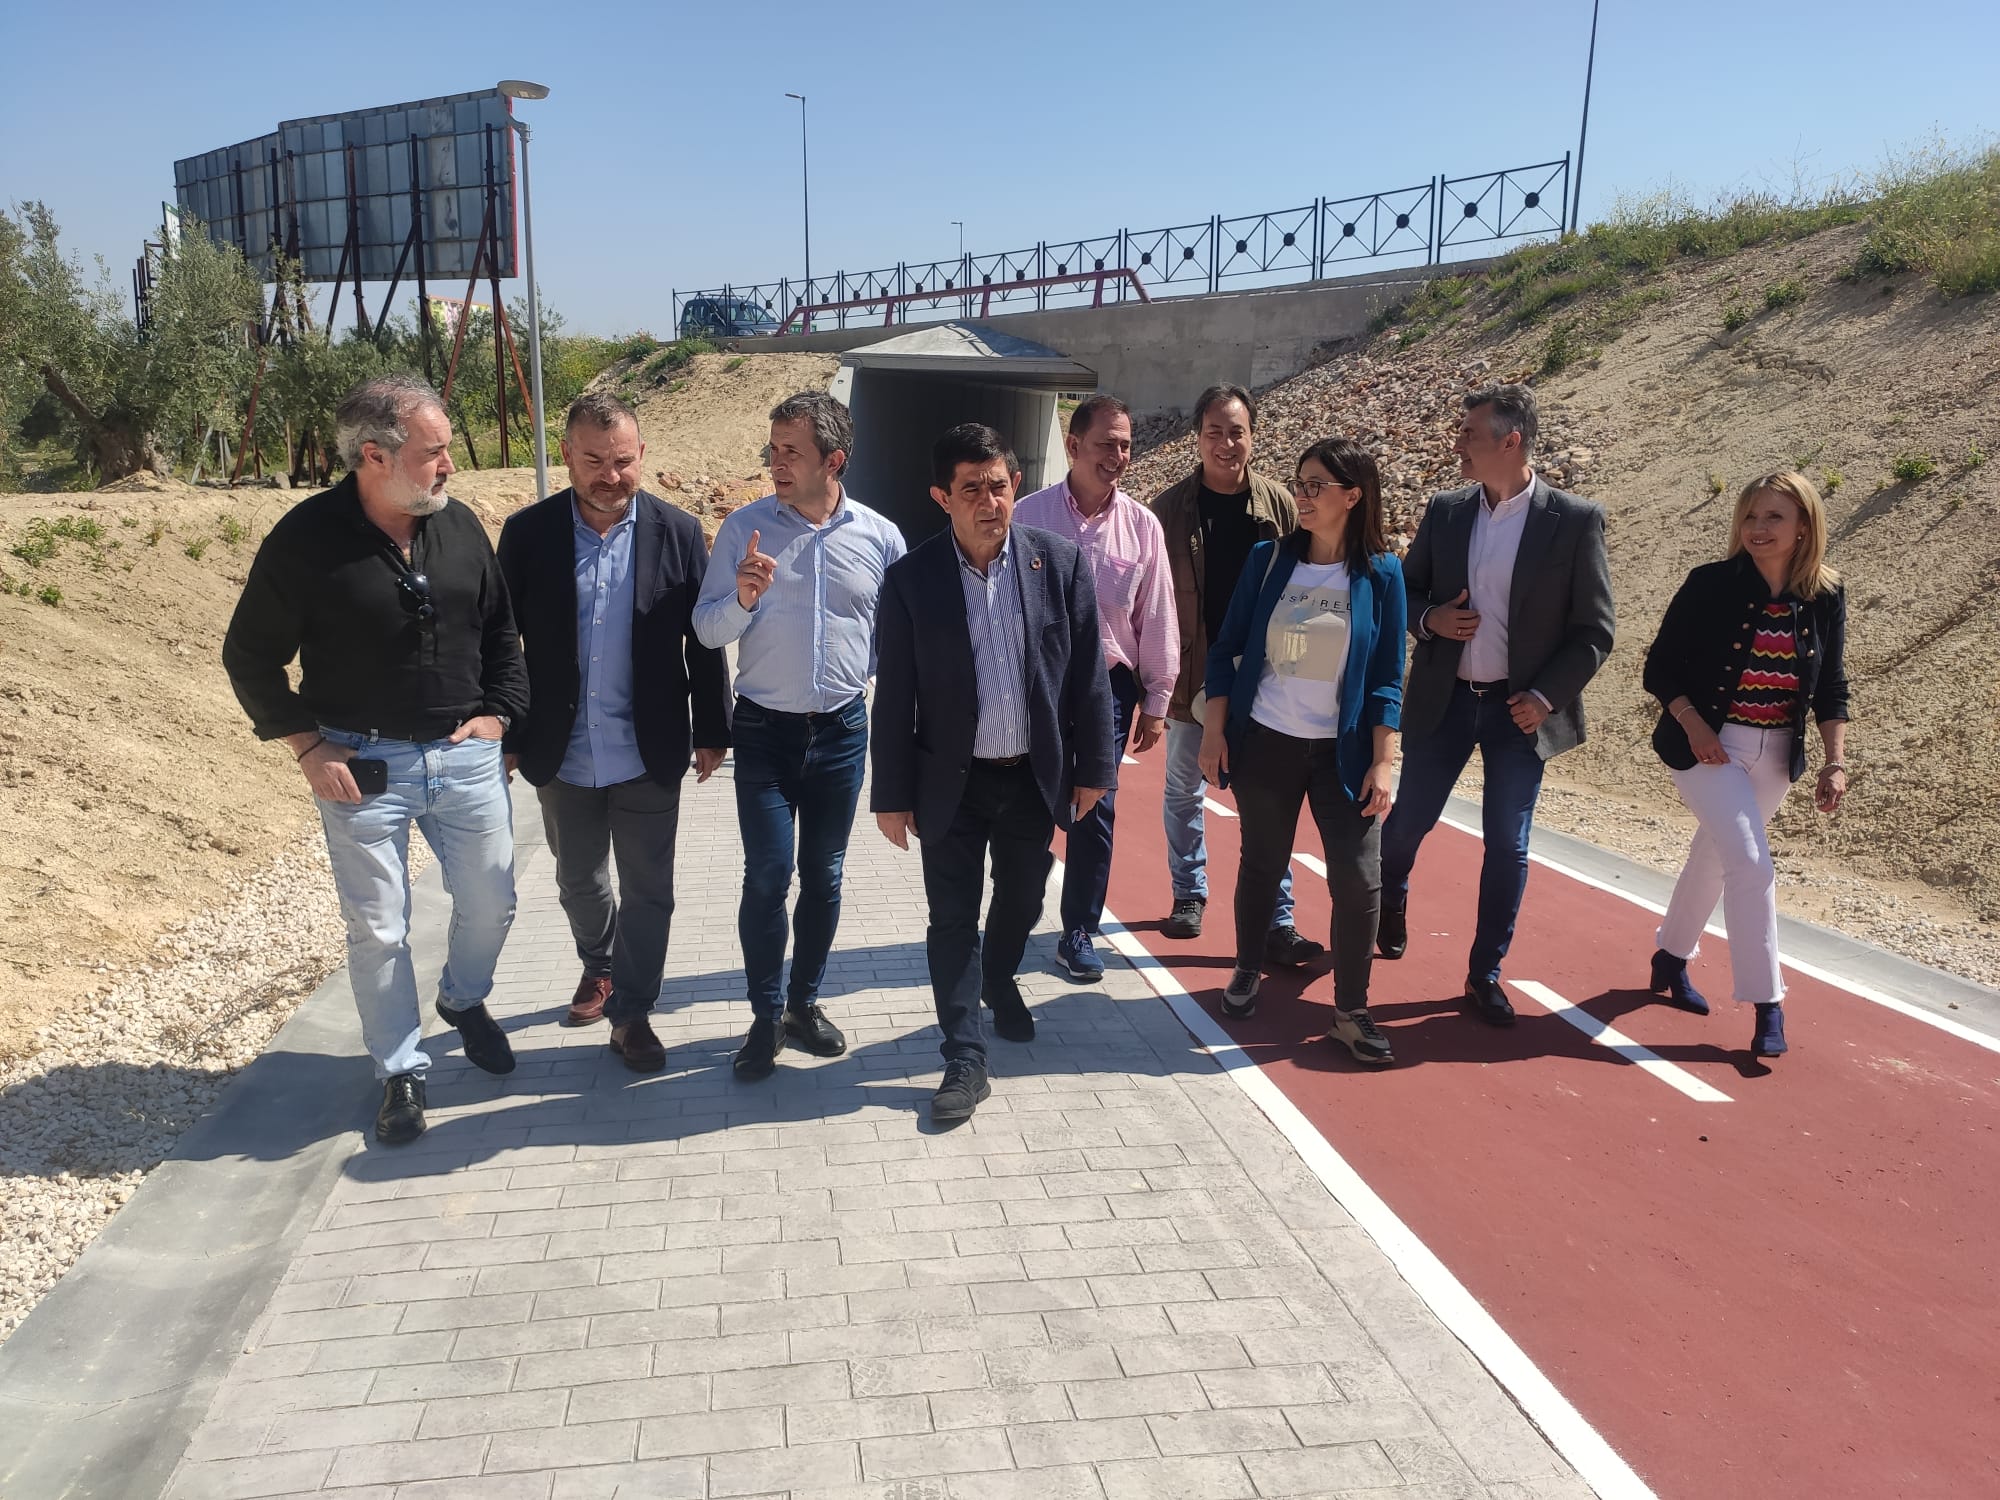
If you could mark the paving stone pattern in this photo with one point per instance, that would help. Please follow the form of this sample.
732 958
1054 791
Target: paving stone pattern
1117 1281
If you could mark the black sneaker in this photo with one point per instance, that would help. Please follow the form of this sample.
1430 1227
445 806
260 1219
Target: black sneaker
964 1089
400 1120
1392 931
486 1045
808 1026
1357 1032
759 1053
1184 921
1239 1001
1291 949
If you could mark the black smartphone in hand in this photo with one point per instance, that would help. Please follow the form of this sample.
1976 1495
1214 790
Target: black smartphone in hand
371 777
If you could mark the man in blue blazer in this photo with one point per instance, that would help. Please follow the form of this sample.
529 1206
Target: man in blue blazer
992 724
603 578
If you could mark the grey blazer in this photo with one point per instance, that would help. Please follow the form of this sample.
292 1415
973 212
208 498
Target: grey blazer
1560 614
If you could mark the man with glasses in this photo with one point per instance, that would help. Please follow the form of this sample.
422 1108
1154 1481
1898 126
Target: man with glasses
389 596
793 580
603 578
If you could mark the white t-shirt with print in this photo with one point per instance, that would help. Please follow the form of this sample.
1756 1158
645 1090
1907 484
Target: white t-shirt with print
1305 654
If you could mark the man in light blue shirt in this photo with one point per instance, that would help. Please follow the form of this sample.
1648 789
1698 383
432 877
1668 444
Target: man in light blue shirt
793 580
993 618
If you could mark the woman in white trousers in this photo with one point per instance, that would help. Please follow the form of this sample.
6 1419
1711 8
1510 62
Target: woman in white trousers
1747 646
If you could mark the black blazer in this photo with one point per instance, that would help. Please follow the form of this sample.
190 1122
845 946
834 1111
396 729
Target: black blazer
674 676
1704 641
1560 616
927 699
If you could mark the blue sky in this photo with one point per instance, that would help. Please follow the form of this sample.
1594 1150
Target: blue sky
667 155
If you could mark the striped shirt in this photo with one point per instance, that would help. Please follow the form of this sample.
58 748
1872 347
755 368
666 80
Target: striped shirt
1127 553
1767 692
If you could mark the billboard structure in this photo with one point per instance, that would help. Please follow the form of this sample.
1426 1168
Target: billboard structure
424 188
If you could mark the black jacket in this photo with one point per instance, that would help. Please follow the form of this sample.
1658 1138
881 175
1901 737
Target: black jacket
1704 641
675 678
927 698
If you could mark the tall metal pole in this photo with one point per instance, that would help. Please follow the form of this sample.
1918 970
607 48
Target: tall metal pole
540 414
805 182
1589 67
960 223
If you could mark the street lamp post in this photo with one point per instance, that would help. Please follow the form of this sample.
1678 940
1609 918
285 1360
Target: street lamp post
805 183
965 303
517 88
1583 134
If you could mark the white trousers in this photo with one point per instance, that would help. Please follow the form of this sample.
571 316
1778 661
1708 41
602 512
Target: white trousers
1730 858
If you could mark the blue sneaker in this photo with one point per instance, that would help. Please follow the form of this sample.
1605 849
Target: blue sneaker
1079 958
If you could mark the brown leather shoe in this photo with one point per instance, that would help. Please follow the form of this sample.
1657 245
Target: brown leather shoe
637 1045
587 1004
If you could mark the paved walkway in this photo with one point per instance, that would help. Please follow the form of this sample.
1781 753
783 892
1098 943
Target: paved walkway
1118 1280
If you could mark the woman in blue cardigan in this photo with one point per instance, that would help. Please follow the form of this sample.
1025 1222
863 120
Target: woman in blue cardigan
1305 689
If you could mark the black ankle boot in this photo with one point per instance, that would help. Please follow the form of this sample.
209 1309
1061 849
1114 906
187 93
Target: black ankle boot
1670 978
1769 1039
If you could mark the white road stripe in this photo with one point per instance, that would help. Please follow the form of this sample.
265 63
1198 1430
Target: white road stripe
1311 861
1610 1036
1588 1453
1126 760
1811 971
1217 808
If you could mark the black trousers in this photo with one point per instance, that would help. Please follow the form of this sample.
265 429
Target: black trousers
625 937
1002 811
1271 776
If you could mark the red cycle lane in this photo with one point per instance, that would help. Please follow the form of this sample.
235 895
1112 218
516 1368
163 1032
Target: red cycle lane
1788 1293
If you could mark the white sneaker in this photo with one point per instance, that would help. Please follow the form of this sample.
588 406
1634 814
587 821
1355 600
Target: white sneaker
1239 1001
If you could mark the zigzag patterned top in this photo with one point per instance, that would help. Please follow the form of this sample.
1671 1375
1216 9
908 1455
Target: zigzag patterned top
1767 693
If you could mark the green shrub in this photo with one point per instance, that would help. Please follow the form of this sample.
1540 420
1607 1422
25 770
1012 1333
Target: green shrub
1734 317
1974 455
50 595
1559 349
1783 294
1911 467
671 357
231 529
1939 214
736 364
195 548
1831 481
1715 484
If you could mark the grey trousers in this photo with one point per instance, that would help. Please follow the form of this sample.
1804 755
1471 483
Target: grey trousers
624 937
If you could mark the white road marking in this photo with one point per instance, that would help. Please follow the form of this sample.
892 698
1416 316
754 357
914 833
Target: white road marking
1565 1427
1811 971
1217 808
1610 1036
1127 760
1311 861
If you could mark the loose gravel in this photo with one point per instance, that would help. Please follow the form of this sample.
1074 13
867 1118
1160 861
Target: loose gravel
109 1087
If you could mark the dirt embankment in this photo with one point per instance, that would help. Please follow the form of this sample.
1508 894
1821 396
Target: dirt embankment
132 793
1854 382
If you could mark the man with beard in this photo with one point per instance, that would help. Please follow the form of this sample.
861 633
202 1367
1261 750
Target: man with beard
389 595
603 577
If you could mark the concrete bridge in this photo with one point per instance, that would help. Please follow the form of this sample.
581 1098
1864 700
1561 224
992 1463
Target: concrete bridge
1159 355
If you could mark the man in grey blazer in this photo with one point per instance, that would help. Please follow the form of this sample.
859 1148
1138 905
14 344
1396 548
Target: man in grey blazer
1510 603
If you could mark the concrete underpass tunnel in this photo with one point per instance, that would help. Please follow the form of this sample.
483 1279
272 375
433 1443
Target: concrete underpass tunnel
904 392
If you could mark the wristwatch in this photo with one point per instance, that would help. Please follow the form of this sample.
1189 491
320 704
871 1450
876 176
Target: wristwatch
506 722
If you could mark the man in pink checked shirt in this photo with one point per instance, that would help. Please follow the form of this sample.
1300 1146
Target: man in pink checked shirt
1127 553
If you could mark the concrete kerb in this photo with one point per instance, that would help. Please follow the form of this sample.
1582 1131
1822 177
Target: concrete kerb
103 1384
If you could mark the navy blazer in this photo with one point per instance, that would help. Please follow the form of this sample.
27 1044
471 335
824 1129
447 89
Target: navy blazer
1560 617
1371 686
927 699
1704 642
680 688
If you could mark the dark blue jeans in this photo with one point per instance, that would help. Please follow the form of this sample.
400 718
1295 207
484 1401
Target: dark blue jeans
1513 769
1087 856
798 777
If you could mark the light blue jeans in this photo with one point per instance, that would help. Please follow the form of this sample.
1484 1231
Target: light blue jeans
1187 838
457 794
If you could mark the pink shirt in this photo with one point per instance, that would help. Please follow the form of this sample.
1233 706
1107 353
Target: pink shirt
1127 553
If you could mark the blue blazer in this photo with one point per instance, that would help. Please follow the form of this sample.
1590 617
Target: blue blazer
927 698
1371 689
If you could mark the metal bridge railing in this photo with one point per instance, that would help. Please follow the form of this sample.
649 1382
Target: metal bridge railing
1416 225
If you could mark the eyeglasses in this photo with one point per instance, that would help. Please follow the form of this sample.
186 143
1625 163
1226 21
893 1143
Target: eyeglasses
418 587
1309 489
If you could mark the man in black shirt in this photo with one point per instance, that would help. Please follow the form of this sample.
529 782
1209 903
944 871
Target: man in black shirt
389 596
1212 519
